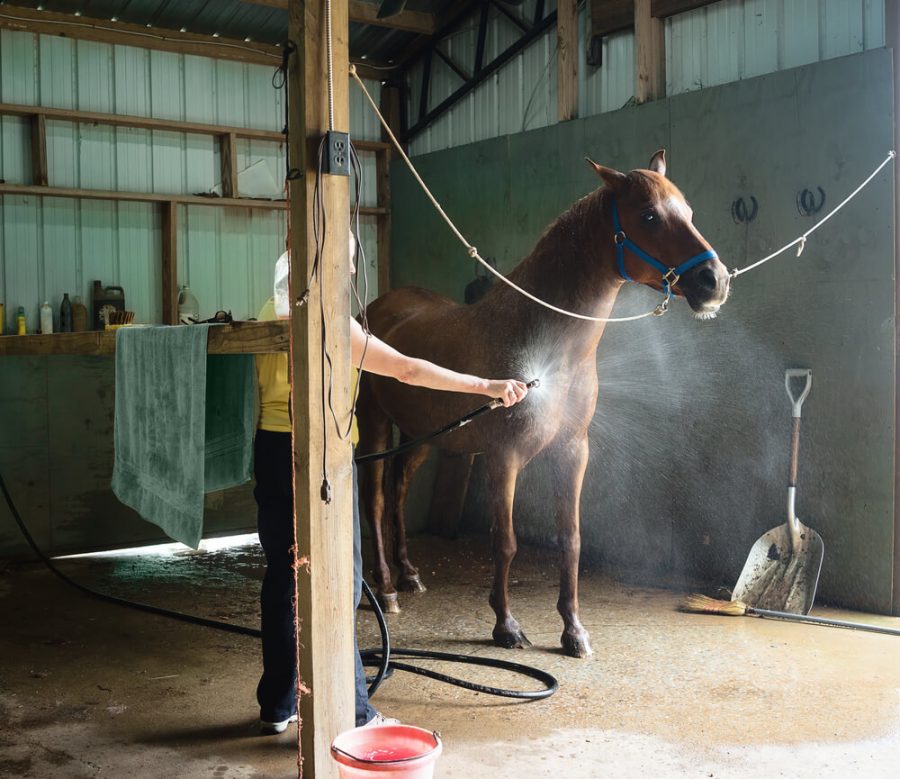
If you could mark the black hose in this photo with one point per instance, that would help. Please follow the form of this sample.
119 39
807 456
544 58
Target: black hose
381 658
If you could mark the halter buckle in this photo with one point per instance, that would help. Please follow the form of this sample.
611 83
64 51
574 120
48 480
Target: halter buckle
671 278
619 238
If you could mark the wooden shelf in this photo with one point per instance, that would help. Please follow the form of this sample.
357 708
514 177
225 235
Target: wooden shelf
32 190
236 338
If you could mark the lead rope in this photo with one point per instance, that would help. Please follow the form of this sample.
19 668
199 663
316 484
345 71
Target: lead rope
802 239
662 307
472 251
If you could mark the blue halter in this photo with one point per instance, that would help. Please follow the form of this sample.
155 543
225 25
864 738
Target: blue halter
670 276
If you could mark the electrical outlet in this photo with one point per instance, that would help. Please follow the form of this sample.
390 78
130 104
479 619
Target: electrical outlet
337 153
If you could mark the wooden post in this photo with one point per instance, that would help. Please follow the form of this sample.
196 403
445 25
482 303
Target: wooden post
39 175
170 262
324 528
892 40
650 54
228 160
567 58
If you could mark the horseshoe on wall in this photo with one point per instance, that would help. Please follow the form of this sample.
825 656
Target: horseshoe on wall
807 202
742 213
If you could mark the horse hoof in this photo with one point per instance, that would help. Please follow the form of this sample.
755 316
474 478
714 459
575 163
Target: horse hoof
576 645
511 639
389 602
411 584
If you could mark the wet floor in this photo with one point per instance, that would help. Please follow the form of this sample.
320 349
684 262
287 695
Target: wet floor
90 689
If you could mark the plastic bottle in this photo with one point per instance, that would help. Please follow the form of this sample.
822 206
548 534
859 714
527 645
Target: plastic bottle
79 316
282 290
20 321
65 314
46 318
188 307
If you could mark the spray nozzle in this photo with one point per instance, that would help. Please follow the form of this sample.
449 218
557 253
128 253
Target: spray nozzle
533 384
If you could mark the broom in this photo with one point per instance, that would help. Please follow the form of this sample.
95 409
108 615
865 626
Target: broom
737 608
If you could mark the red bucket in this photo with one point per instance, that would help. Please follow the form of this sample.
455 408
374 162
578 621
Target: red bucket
400 751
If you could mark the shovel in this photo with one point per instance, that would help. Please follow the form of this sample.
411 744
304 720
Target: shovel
782 570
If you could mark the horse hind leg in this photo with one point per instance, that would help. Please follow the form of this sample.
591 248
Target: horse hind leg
375 436
404 467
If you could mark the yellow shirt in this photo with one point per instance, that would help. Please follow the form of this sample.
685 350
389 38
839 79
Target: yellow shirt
274 388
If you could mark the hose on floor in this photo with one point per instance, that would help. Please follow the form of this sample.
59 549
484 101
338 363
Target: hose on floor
371 657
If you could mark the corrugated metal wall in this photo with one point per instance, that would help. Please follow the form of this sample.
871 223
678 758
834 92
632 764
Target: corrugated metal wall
52 245
717 44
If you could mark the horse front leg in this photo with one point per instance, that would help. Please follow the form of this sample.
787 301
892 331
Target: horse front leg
502 474
571 459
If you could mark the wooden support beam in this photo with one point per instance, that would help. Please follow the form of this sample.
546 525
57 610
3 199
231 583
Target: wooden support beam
235 338
322 461
140 122
228 160
124 34
567 58
650 54
367 13
170 262
39 173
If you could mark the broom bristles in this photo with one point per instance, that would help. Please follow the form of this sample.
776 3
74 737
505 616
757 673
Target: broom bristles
707 605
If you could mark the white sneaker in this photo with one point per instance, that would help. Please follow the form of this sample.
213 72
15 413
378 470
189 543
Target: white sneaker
274 728
379 719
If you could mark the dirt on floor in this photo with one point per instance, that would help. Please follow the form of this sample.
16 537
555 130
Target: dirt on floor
88 688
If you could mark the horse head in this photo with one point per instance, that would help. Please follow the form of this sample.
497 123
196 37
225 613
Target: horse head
655 239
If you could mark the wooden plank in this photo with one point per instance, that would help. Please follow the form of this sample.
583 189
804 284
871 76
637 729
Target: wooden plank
228 159
124 34
235 338
366 13
372 210
170 262
323 492
567 58
140 122
664 8
649 54
892 40
39 173
609 16
143 197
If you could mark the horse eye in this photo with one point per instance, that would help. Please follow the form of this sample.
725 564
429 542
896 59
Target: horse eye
649 216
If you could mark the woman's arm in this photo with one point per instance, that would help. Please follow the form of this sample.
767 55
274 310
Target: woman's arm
387 361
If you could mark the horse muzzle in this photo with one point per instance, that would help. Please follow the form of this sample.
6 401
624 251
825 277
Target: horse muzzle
705 287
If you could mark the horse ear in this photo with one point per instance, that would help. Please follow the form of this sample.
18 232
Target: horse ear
613 178
658 162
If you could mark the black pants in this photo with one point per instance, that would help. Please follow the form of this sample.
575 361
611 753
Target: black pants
277 689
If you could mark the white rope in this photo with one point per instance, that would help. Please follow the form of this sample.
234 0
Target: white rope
802 239
472 251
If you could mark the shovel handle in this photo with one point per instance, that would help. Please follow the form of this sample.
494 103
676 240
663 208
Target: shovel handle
797 402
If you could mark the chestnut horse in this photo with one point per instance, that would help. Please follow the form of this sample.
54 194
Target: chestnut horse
635 228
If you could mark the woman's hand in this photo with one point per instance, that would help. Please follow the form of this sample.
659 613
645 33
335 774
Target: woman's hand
510 391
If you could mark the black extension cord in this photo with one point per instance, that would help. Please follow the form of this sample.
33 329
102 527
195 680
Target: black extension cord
371 657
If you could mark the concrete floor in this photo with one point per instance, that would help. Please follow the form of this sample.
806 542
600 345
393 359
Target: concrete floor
90 689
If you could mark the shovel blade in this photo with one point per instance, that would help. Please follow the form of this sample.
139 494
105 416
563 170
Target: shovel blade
779 575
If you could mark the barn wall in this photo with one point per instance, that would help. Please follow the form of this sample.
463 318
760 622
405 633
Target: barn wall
690 441
56 413
717 44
